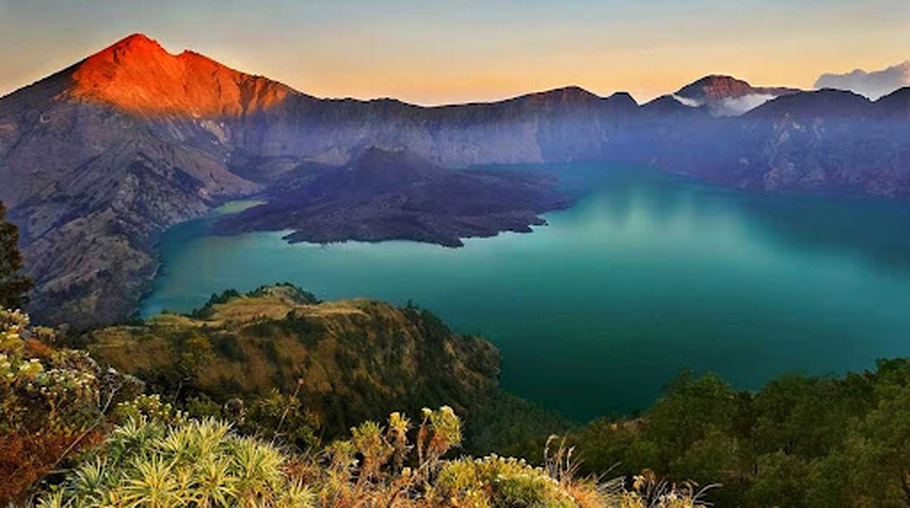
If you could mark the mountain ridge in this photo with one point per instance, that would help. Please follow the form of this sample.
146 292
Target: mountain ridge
349 359
93 174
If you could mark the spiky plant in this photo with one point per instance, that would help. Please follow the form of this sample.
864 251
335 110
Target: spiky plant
148 463
145 463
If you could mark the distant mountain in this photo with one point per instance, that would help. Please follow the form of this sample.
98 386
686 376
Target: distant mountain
895 106
829 142
874 85
728 96
99 158
817 105
385 195
668 105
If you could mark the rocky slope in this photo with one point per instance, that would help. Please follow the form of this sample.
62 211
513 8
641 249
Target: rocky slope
91 184
385 195
98 159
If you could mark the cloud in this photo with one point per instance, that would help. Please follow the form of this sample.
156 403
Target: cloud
735 106
685 101
871 84
729 106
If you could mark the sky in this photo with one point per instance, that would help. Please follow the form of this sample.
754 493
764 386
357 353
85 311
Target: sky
449 51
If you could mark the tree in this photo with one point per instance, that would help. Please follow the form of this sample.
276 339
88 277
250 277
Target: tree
781 480
13 284
801 416
878 449
689 409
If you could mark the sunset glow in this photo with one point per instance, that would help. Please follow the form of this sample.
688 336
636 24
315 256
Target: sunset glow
472 50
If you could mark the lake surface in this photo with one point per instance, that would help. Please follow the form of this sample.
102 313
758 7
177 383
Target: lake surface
648 275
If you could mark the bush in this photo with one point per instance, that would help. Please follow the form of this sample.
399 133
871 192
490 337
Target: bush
158 458
497 481
52 403
146 462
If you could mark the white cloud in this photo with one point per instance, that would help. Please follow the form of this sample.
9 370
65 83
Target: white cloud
730 106
871 84
685 101
735 106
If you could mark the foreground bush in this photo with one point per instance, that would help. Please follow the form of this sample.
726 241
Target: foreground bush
83 436
148 463
52 403
160 459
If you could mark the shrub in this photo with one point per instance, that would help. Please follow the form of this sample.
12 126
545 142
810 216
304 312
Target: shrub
52 403
497 481
146 462
157 458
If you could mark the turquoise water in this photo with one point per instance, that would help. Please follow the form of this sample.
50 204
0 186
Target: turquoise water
648 275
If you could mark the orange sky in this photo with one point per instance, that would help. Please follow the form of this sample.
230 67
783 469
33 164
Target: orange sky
464 50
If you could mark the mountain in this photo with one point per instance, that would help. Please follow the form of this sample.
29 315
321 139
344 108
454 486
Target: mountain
100 158
92 174
728 96
136 75
895 106
823 142
822 104
718 87
830 141
385 195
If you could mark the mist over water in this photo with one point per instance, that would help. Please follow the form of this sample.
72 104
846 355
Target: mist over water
648 275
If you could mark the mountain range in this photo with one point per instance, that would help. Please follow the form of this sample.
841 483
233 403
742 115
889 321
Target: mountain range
100 158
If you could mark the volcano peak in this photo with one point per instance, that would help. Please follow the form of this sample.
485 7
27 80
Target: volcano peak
137 75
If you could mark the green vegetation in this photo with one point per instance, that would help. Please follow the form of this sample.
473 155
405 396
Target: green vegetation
164 460
85 449
196 463
799 441
344 362
52 402
78 433
13 284
296 295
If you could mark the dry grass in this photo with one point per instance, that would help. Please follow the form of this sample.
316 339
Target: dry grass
27 457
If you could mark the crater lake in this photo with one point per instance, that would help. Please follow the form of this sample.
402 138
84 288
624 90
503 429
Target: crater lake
647 275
